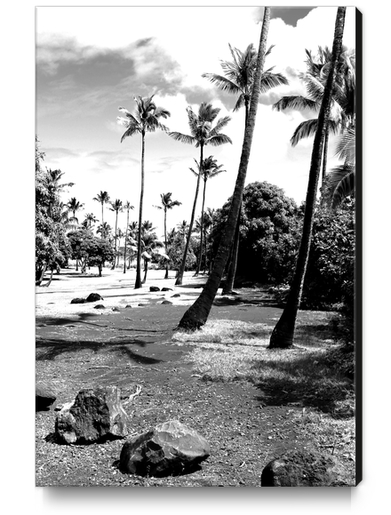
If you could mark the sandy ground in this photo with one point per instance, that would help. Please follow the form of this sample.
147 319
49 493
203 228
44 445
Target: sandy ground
116 288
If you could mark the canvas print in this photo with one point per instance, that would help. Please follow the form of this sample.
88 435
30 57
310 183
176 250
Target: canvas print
198 246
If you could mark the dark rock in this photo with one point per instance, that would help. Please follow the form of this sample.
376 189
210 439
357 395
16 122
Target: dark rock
44 396
154 288
115 309
128 306
141 304
99 306
169 449
166 289
166 302
303 468
78 300
176 295
93 297
94 415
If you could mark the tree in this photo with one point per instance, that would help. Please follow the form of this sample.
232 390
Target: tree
73 206
198 312
89 220
116 206
104 230
127 207
202 133
238 80
209 170
145 119
151 246
103 198
167 203
89 249
283 333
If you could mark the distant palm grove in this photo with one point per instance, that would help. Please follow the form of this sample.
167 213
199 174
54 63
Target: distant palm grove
305 253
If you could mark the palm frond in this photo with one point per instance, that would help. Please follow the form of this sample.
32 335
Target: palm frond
130 131
183 138
218 139
272 80
314 87
222 83
221 123
341 184
346 147
304 130
296 102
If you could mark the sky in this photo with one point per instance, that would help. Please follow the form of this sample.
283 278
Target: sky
92 60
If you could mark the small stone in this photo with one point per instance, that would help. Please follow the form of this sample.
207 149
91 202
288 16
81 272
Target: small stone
93 297
154 288
167 302
115 309
166 289
78 300
99 306
176 295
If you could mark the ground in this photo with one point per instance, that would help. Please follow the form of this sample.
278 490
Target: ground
215 384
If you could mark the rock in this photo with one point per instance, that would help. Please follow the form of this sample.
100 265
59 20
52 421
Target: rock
99 306
128 306
154 288
44 396
303 468
166 289
78 300
93 297
167 302
176 295
94 415
115 309
169 449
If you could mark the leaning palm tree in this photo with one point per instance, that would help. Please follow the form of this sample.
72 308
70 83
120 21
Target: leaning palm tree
238 80
198 313
202 133
209 170
103 198
167 203
116 206
283 333
127 207
74 205
145 119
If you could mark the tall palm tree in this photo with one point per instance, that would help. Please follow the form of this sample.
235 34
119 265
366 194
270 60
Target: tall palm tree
198 313
283 333
167 203
209 170
238 80
103 198
74 205
202 133
116 206
127 207
89 220
145 119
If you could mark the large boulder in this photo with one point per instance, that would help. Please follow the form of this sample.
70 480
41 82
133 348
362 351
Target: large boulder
44 396
303 468
93 297
94 415
169 449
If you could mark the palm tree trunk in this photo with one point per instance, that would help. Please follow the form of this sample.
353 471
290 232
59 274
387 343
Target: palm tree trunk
126 234
198 313
140 215
283 333
202 230
165 240
115 240
181 270
145 270
229 283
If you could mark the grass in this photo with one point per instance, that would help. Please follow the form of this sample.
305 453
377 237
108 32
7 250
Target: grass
310 374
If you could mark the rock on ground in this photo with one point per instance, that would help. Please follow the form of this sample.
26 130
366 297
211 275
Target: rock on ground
94 415
44 396
169 449
303 468
93 297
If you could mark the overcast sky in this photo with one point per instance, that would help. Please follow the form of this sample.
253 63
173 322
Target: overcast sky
91 60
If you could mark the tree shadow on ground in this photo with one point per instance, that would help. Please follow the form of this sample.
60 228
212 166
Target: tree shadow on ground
307 381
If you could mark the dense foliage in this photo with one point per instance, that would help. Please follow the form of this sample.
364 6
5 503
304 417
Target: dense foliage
90 250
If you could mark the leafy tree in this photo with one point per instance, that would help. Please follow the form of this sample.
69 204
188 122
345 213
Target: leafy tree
145 119
238 80
104 230
90 250
198 312
167 203
89 220
283 333
202 133
176 241
103 198
151 246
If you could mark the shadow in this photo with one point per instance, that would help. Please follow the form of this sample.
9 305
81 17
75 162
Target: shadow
59 321
137 358
55 439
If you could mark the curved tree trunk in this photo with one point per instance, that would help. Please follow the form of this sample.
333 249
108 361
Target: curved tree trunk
181 270
198 313
165 240
202 230
126 236
283 333
229 283
140 215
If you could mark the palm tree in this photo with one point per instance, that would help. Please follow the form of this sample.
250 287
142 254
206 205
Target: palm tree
198 313
116 206
73 206
209 170
145 119
104 230
89 219
202 133
127 207
103 197
167 203
283 333
238 79
150 245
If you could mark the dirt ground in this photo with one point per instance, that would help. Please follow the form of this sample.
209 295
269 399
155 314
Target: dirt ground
128 343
